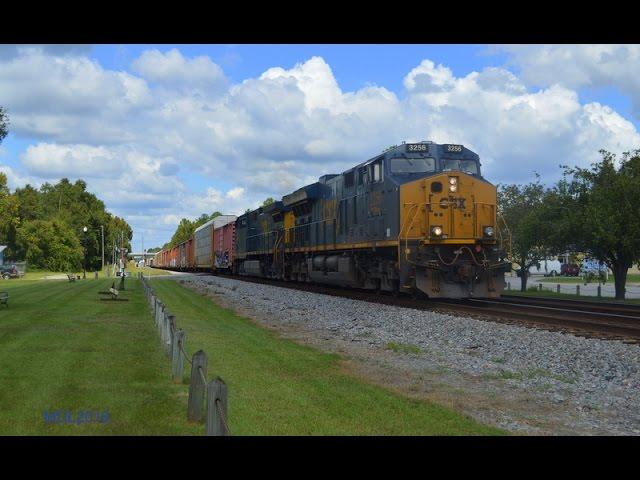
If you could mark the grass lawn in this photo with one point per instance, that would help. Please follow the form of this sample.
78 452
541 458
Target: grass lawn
548 294
148 271
279 387
40 274
62 349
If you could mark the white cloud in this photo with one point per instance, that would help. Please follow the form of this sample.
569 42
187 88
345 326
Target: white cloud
174 71
16 180
235 193
136 136
49 160
70 99
576 66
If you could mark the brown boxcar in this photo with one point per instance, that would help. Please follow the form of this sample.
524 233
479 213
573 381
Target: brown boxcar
224 243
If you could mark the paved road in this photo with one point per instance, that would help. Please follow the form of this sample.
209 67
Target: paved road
591 289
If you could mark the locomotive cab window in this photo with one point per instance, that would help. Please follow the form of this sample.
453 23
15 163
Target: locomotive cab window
467 166
362 172
349 179
375 171
412 165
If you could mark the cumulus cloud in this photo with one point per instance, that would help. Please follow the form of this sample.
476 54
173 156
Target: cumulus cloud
48 160
70 99
10 51
576 66
135 136
173 70
17 180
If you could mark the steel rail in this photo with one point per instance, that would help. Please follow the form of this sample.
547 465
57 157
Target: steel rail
570 319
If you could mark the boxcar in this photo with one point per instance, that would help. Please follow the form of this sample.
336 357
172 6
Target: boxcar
203 239
224 240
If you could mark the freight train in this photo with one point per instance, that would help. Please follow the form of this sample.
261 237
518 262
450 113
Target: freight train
417 218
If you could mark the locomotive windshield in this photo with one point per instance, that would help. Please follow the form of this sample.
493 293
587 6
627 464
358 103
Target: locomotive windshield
412 165
467 166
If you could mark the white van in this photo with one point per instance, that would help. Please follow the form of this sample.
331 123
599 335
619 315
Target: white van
547 267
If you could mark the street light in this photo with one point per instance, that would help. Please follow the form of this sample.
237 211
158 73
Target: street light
84 267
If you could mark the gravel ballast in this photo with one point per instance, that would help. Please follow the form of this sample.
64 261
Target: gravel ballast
521 379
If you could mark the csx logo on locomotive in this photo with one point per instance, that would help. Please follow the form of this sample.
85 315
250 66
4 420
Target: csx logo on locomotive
453 202
383 224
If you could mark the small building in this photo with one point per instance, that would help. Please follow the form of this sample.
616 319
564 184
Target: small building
2 247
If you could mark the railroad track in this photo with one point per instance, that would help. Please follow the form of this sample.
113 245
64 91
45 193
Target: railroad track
610 320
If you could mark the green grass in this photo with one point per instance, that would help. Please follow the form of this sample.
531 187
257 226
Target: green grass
279 387
148 271
403 347
549 294
31 275
61 348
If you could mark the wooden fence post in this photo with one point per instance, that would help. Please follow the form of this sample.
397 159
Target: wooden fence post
197 386
159 318
177 361
216 393
155 309
558 288
168 336
578 290
163 326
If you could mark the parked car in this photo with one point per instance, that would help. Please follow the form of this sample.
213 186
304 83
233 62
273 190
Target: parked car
9 271
570 270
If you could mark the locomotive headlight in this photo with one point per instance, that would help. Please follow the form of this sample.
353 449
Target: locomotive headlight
488 231
453 184
436 231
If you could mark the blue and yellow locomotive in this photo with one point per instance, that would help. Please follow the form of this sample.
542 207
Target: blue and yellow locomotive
419 217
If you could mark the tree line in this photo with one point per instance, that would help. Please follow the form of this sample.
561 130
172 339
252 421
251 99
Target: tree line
45 226
594 211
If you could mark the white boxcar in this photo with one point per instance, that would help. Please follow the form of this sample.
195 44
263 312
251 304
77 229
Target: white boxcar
203 238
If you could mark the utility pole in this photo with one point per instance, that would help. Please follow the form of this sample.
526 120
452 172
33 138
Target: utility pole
102 230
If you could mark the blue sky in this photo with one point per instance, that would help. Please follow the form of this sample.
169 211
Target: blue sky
161 132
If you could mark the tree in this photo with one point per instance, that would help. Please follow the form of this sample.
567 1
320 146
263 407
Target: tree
184 231
30 203
4 124
9 217
51 245
69 204
268 202
521 208
603 206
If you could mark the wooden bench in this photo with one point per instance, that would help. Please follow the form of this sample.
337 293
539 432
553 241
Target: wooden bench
4 298
72 278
